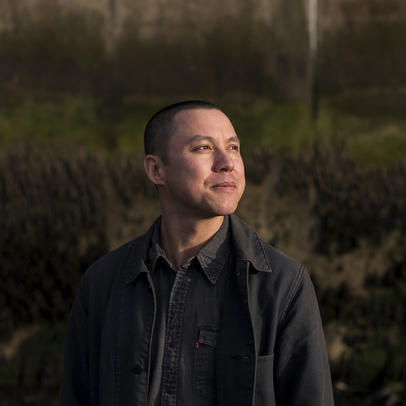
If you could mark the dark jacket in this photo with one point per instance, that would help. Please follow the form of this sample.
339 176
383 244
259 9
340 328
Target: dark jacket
271 348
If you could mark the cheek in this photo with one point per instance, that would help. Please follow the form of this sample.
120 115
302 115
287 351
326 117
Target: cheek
241 178
194 172
191 177
240 170
239 164
242 184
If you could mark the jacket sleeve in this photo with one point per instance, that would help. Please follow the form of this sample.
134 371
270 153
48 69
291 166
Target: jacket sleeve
75 387
302 373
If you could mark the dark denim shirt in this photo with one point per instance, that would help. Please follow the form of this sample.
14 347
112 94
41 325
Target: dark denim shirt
189 303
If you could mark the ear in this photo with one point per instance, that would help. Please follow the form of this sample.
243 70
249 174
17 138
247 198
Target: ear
153 167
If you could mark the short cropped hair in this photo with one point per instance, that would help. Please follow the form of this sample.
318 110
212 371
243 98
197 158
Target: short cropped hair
161 126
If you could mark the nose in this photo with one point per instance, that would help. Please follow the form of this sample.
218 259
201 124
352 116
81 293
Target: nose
223 162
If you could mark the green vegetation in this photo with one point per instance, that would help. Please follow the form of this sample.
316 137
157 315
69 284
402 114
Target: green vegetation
379 149
109 128
261 122
69 118
370 124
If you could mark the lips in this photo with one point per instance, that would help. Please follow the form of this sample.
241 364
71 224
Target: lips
225 185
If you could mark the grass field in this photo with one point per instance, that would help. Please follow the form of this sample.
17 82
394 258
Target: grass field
371 124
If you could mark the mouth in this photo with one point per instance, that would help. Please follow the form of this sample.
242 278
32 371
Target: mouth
225 186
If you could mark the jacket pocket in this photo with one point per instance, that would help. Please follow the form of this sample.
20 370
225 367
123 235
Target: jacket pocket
205 374
264 387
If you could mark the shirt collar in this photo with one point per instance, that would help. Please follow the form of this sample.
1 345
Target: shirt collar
246 243
212 257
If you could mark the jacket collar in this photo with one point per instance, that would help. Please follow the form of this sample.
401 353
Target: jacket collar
248 248
137 261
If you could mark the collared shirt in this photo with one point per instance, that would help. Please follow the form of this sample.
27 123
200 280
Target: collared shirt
188 314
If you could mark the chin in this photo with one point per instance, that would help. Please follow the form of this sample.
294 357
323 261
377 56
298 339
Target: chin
225 211
221 207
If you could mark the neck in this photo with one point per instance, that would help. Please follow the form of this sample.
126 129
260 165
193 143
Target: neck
183 239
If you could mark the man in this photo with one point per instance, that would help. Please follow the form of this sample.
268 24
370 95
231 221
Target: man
199 310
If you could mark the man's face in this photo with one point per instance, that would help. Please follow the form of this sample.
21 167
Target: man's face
205 173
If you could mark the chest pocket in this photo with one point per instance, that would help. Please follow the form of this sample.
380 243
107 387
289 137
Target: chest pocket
205 374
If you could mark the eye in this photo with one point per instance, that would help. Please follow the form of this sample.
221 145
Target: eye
202 147
235 147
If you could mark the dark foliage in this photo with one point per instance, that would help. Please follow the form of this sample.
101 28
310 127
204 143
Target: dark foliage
351 203
375 359
54 203
258 164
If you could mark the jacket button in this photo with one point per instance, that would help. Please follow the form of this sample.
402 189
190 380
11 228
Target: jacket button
138 369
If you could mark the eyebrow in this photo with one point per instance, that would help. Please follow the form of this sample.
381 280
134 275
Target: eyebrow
208 138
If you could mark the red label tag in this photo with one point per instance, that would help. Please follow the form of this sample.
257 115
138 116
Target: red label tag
197 343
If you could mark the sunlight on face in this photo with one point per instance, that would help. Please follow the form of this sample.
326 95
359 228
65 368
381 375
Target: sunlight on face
205 174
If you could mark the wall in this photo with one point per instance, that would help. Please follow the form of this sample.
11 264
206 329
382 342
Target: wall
199 47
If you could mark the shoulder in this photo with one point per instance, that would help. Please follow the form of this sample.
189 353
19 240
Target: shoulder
100 276
112 260
277 283
288 280
286 276
117 265
281 263
263 257
273 274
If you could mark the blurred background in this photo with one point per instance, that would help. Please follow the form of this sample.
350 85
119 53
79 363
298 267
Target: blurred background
317 93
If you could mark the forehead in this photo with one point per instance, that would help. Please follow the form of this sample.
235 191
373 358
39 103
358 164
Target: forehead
214 123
